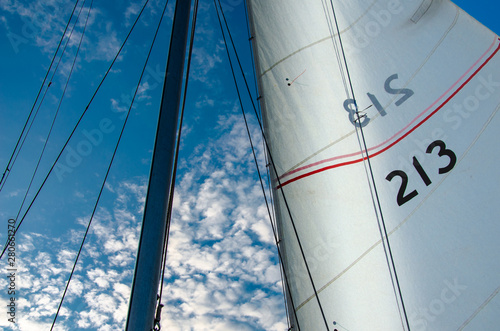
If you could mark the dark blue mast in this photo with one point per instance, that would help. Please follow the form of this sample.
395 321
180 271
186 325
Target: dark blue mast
143 299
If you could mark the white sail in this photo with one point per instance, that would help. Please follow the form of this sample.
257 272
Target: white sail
426 78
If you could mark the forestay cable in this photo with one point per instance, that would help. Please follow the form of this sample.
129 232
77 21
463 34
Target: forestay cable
75 127
255 158
109 167
59 105
10 164
271 212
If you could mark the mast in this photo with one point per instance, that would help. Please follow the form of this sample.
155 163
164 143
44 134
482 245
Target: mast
143 297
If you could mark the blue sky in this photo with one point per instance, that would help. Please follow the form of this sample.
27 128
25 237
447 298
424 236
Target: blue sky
223 272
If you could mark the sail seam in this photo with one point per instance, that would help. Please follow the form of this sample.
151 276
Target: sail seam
296 168
444 178
343 272
318 41
393 143
478 310
334 279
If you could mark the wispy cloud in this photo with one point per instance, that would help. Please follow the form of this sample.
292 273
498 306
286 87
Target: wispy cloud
106 46
222 270
222 264
43 23
98 295
131 12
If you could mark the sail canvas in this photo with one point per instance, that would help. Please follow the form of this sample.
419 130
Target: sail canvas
407 239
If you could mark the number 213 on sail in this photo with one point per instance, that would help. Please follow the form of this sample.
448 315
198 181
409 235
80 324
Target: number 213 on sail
404 197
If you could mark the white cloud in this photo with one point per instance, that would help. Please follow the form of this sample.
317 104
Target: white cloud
222 269
117 106
99 285
131 12
204 62
264 231
205 101
106 46
220 244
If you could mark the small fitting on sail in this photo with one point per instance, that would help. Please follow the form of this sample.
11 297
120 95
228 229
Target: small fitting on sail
424 6
359 116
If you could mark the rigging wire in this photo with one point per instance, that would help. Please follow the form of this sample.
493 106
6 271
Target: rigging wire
10 164
374 192
60 101
75 127
285 201
40 105
287 206
268 174
110 165
335 47
78 255
251 143
254 70
176 158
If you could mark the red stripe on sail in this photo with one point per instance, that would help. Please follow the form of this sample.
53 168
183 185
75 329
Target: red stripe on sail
400 138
